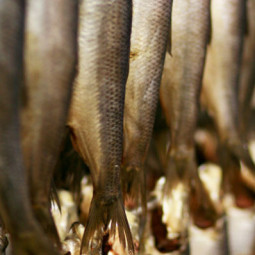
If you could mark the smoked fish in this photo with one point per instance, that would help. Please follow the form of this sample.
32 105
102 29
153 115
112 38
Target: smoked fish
150 30
179 95
96 114
26 235
221 85
50 56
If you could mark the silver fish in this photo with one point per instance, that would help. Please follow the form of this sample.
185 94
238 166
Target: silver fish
96 115
179 94
220 86
16 212
150 30
50 54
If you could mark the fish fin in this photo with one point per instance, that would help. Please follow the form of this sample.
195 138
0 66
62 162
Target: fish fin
106 218
54 195
133 183
174 219
134 189
184 169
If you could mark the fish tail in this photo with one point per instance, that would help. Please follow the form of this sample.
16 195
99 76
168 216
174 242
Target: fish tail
143 218
106 217
134 188
176 171
183 169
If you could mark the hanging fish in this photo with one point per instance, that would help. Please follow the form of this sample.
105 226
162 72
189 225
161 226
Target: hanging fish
26 235
179 94
221 83
50 54
96 115
150 30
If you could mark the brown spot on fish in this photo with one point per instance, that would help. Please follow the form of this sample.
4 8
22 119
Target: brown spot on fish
133 55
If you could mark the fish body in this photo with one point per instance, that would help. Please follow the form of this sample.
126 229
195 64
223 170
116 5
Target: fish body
50 55
96 115
150 30
179 95
221 84
26 235
223 65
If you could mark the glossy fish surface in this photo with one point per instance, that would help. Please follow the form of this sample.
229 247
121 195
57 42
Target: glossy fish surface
179 94
15 209
150 30
96 115
50 55
222 79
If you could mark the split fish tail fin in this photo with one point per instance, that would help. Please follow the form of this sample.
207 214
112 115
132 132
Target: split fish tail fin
143 218
183 170
106 217
134 189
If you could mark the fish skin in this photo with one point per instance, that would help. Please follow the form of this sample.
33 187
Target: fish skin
222 78
229 39
179 95
150 30
247 75
96 114
16 212
50 56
